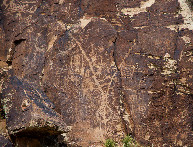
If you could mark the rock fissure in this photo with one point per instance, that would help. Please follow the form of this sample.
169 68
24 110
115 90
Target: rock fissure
124 108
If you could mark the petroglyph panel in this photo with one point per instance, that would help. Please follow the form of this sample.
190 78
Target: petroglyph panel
109 68
85 71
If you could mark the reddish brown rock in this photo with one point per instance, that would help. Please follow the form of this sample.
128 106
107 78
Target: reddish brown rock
111 68
81 75
28 110
153 80
2 44
4 142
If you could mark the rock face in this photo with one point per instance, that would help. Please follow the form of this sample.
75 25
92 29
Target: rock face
92 70
28 108
80 76
4 142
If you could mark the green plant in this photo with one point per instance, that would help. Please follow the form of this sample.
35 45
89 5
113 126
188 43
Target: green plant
110 143
128 141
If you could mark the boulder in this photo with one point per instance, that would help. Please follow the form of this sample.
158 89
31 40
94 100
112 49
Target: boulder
27 109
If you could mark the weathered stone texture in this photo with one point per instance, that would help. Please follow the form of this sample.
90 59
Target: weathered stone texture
83 72
28 108
110 67
4 142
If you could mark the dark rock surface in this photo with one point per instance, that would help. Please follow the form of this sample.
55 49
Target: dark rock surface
91 70
4 142
29 109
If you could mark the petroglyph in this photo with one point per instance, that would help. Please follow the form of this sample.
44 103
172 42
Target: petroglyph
98 69
104 106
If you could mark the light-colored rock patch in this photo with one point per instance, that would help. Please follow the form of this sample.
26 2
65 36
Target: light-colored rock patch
133 11
186 39
84 21
187 15
170 65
